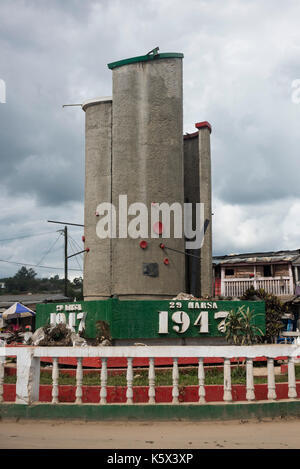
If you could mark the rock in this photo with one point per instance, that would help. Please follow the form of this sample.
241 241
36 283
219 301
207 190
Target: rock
38 336
184 296
78 341
28 338
47 336
105 343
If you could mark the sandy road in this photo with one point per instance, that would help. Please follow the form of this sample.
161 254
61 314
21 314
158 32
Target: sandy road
266 434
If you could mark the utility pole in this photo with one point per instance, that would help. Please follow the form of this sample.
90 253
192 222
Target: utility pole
66 259
65 233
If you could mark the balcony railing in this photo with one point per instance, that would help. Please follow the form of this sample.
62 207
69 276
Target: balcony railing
28 368
236 287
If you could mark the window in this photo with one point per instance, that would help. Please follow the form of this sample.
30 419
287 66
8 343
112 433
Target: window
267 271
229 272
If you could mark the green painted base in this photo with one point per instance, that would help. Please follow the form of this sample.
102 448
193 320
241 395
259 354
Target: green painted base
256 410
149 319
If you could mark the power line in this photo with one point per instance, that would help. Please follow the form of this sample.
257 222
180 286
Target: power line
49 250
38 266
27 236
75 242
76 248
74 252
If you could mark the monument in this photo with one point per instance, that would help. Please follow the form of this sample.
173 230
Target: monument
148 220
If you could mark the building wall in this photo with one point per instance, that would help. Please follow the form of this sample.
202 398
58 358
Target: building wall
247 271
281 270
239 271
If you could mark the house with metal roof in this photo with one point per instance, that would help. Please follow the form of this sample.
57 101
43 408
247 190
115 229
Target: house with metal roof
276 272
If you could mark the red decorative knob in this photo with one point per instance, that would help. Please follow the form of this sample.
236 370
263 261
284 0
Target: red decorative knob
166 261
143 244
162 246
83 239
87 249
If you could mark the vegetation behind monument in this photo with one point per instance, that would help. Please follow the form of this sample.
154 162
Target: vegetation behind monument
26 280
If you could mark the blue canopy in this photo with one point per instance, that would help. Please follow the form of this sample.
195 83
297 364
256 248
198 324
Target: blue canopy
17 310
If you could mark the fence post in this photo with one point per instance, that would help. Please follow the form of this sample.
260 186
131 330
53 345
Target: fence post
175 377
271 379
103 378
2 365
28 376
250 396
79 377
151 377
129 377
292 379
55 376
227 381
201 379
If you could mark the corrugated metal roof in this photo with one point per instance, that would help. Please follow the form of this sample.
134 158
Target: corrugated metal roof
254 258
25 299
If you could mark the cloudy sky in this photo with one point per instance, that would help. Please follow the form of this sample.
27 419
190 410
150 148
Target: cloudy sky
241 60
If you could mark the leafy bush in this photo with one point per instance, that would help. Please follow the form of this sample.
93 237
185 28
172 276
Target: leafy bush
275 309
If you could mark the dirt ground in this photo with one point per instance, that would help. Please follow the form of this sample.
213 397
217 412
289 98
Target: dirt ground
252 434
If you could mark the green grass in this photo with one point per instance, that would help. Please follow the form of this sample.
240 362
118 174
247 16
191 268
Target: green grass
187 377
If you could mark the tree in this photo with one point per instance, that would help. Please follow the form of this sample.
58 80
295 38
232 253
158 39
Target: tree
75 289
25 273
25 279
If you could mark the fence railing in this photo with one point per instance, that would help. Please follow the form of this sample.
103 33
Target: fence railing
28 368
275 286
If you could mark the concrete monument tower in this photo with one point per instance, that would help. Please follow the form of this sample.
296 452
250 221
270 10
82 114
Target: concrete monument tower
197 188
135 150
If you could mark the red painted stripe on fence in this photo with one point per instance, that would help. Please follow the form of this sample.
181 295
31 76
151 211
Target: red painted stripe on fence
163 394
140 362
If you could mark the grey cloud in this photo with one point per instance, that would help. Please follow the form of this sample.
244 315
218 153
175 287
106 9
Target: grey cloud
237 73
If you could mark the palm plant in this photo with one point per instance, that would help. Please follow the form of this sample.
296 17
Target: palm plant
232 327
240 328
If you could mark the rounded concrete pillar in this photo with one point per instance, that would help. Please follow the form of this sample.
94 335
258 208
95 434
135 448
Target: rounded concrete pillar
98 134
147 167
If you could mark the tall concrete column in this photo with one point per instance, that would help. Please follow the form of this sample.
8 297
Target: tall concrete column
206 277
98 149
192 196
197 189
147 167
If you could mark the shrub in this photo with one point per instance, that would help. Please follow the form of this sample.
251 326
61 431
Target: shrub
274 311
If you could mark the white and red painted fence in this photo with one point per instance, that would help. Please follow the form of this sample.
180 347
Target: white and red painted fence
236 287
28 369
